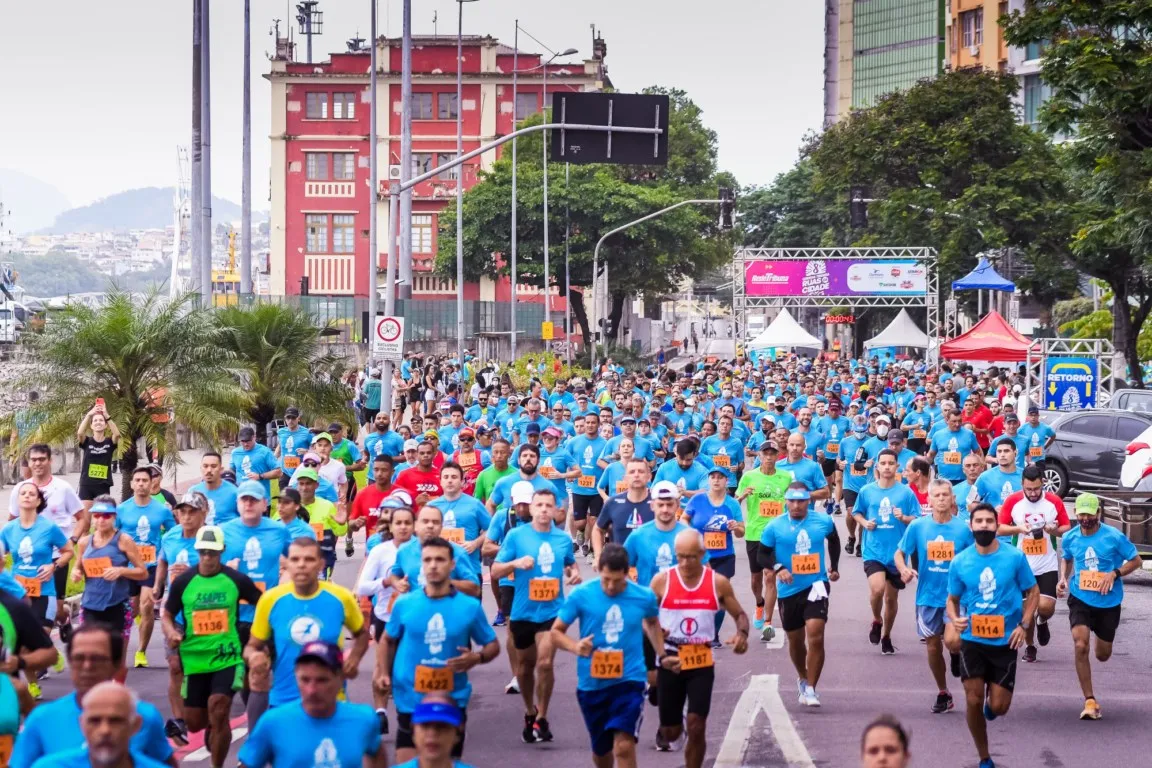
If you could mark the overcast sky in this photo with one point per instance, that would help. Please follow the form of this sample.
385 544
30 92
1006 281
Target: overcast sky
94 97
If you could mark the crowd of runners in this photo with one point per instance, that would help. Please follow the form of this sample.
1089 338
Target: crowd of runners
598 517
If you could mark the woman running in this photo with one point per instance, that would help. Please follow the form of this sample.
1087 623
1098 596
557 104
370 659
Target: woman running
98 448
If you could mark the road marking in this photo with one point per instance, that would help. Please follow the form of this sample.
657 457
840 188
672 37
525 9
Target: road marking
196 752
202 754
777 641
762 693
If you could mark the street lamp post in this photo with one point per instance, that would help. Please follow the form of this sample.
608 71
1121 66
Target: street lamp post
460 185
544 109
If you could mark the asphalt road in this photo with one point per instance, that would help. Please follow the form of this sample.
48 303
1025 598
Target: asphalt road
756 720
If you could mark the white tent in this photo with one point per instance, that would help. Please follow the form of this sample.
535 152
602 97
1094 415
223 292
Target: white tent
784 332
901 332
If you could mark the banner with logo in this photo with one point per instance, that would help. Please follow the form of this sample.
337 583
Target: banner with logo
835 277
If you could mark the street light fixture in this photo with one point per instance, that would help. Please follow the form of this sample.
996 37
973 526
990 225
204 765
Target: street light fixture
544 109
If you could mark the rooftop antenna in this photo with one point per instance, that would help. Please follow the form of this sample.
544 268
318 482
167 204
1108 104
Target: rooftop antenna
356 44
435 32
311 22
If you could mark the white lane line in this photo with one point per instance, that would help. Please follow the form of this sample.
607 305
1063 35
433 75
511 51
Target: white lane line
202 754
777 641
762 693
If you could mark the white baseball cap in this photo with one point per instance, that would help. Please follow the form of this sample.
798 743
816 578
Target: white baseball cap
522 492
665 489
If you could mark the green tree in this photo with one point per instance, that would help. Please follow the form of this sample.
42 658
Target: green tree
791 213
648 260
284 361
949 167
155 361
1097 60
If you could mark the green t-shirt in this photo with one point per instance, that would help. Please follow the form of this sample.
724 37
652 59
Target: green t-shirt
486 481
765 488
209 606
322 511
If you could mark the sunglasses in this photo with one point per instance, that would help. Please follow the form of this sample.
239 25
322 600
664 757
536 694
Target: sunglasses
467 439
311 463
103 515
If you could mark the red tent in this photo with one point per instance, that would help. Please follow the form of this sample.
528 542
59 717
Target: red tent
990 339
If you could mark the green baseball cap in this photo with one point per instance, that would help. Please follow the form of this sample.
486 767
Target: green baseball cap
1087 504
323 436
307 473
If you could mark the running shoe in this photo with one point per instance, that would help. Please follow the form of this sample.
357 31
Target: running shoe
349 547
943 702
811 698
382 716
1091 710
768 633
874 633
1043 633
662 744
528 735
989 715
850 547
34 690
513 687
66 632
987 763
717 644
801 685
58 665
499 621
543 732
1030 654
758 621
141 660
177 731
886 646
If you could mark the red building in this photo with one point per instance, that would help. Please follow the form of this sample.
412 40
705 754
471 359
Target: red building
320 196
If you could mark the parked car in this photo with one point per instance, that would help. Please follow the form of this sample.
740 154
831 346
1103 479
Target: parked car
1132 400
1092 447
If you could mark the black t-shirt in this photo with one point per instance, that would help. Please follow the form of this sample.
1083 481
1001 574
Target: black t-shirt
624 515
30 636
97 467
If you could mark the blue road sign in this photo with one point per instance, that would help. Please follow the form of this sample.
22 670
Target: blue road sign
1070 383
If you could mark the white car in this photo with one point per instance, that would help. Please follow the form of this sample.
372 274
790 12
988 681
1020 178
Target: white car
1136 471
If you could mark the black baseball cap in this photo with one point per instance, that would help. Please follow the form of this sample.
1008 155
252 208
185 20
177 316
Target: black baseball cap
327 654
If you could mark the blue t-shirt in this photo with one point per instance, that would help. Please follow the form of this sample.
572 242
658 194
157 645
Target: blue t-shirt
551 553
410 565
258 549
724 453
501 494
1104 551
175 549
145 524
652 551
851 450
382 444
951 448
430 631
932 578
464 513
694 478
995 485
645 447
221 502
293 445
52 728
880 505
259 459
32 548
79 758
706 518
585 453
557 462
1036 437
288 736
615 623
988 586
795 540
805 471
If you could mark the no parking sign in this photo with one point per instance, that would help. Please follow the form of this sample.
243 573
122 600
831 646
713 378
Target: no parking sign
388 338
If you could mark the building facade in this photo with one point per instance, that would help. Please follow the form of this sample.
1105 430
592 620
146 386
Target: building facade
320 193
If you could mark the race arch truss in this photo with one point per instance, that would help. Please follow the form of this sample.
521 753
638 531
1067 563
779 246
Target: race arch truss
929 299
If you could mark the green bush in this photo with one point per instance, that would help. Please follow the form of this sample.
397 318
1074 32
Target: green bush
521 375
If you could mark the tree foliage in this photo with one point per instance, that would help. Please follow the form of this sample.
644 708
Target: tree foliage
648 260
791 213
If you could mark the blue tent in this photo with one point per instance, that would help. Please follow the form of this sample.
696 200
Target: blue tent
983 278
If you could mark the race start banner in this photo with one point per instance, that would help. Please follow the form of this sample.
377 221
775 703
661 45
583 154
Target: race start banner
835 277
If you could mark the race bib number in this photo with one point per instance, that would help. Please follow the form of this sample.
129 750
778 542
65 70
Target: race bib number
586 481
467 461
988 627
621 486
210 622
771 508
952 458
318 529
7 741
433 679
548 472
1091 581
720 460
715 540
806 565
832 449
454 535
1036 452
291 462
695 657
859 472
1035 546
31 585
607 665
98 471
543 590
919 434
941 551
94 567
147 553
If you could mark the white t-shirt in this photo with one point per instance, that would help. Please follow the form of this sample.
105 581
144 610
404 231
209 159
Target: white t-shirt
1048 510
63 504
376 569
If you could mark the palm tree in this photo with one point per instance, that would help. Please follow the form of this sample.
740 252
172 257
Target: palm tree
284 361
157 362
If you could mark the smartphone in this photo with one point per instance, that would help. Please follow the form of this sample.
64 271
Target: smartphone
100 403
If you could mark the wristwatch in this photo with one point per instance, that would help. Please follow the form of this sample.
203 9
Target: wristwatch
1117 572
1025 627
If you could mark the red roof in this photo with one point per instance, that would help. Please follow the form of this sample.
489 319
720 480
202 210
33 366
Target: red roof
990 339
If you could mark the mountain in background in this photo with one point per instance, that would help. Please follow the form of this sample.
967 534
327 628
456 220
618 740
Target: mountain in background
33 203
144 208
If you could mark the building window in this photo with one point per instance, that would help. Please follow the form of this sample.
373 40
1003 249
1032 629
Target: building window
316 225
316 166
343 233
972 26
446 102
1035 50
452 173
422 106
423 226
1036 92
344 106
316 106
344 166
525 105
421 163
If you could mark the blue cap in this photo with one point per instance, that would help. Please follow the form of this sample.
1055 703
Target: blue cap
836 387
720 470
860 427
531 428
252 489
797 494
436 712
921 391
103 508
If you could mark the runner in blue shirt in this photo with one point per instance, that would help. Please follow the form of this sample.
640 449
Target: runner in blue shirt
804 469
31 539
254 545
436 728
292 441
719 519
852 462
616 616
725 450
1000 482
686 473
1096 558
931 543
383 441
221 495
950 445
252 461
465 519
992 599
1038 435
585 450
407 574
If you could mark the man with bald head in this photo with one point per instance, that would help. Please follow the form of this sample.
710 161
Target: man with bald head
109 720
690 595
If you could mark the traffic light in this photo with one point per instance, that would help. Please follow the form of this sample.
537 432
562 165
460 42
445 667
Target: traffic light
727 203
858 207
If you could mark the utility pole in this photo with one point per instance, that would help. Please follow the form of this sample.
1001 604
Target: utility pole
567 267
406 156
195 214
246 161
373 188
206 151
544 144
460 185
515 201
